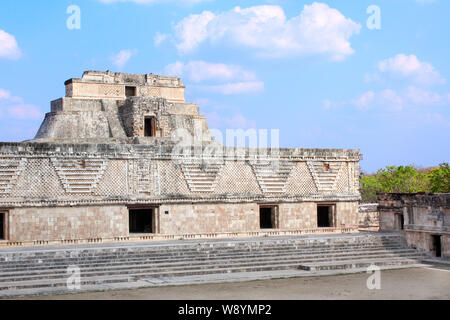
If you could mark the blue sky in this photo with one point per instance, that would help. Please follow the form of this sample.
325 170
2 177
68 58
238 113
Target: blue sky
314 70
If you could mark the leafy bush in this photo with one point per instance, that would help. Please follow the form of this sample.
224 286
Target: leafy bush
440 179
405 180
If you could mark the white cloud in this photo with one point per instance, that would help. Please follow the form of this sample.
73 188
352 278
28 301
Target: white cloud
390 99
9 48
326 105
221 78
199 71
236 121
12 107
236 87
393 100
364 101
155 1
411 67
4 94
159 38
24 111
420 96
426 1
120 59
318 29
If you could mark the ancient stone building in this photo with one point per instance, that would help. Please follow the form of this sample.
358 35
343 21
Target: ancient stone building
369 217
110 162
424 218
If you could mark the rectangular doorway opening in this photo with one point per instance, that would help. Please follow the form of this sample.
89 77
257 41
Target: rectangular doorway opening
149 126
437 247
2 226
400 222
141 221
130 91
325 216
268 217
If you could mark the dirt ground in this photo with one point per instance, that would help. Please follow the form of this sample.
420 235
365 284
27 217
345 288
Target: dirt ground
418 283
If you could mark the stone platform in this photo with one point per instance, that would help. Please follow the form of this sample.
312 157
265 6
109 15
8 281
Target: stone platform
37 271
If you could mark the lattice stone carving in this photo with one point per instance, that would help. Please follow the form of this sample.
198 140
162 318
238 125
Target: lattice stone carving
10 170
201 177
110 90
154 91
342 181
114 180
300 181
80 175
325 174
172 181
237 177
272 176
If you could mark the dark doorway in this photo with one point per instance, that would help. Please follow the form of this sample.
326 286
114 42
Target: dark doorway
141 221
130 91
437 245
324 216
149 126
267 217
400 222
2 226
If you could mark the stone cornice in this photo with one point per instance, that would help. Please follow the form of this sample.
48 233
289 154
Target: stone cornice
68 202
165 152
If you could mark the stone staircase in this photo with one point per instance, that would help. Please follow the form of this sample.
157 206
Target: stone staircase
201 178
33 271
325 177
10 170
80 176
272 179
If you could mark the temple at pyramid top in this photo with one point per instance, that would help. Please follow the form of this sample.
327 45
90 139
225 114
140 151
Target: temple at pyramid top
110 107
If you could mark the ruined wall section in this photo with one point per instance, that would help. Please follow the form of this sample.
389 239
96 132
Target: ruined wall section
424 216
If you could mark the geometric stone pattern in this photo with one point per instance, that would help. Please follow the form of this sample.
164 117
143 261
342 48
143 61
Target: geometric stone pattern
237 178
38 180
301 181
342 183
10 169
201 177
114 180
325 174
171 178
272 175
79 175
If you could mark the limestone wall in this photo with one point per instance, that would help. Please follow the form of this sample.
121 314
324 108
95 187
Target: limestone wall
424 216
209 218
31 224
369 216
98 223
424 241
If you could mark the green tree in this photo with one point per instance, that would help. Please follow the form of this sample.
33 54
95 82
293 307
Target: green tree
440 179
402 180
369 188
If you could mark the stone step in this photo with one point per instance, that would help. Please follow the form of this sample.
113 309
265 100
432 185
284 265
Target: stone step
203 257
185 248
351 264
186 253
20 285
130 268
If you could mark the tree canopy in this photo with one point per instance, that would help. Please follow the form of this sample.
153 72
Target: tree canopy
405 179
